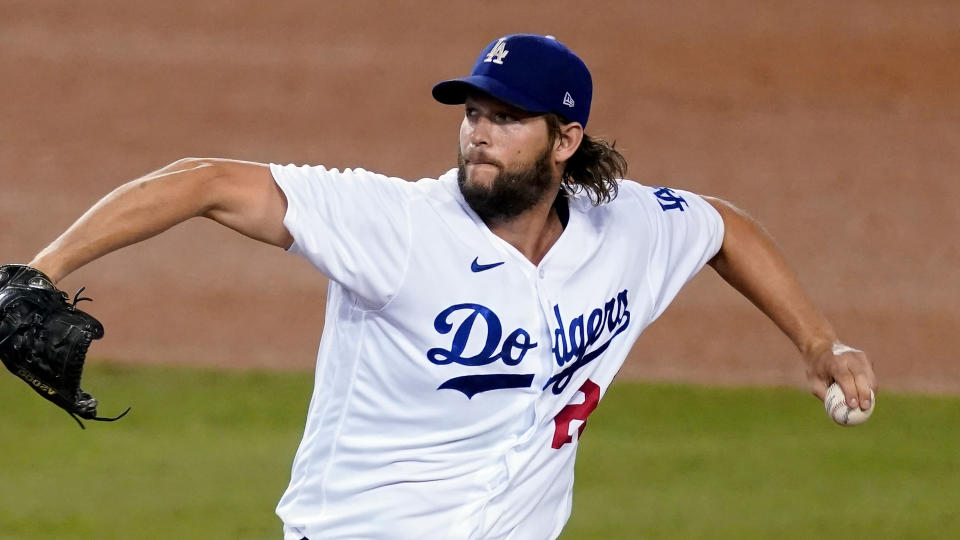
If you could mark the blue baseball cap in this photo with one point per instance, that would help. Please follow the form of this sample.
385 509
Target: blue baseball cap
537 74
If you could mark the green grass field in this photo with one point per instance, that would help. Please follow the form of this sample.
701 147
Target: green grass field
206 454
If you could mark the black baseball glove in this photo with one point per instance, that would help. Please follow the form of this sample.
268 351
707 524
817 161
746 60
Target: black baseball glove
44 339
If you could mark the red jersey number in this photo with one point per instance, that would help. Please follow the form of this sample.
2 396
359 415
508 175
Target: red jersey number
580 411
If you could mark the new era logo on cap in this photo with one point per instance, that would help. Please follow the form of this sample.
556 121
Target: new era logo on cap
535 73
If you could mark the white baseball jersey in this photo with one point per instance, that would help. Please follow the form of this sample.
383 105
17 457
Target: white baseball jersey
455 377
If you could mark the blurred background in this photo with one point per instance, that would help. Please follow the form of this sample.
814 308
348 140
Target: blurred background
837 125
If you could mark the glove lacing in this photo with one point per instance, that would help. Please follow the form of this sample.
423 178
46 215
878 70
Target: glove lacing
76 371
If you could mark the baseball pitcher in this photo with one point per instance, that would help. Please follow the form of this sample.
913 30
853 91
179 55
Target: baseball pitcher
474 320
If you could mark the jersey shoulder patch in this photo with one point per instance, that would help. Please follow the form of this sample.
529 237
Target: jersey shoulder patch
669 199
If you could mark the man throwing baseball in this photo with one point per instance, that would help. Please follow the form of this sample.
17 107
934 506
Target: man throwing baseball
475 320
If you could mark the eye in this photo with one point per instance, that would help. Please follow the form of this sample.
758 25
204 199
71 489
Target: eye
504 118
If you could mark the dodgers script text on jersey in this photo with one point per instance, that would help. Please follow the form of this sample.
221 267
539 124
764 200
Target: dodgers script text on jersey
464 374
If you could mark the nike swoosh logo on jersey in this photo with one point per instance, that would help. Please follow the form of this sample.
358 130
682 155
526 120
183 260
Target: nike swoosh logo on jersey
475 266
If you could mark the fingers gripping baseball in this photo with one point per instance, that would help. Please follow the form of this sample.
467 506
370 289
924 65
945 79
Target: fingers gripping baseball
848 367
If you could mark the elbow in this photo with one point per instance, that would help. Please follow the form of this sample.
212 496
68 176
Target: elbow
203 166
199 168
207 180
189 183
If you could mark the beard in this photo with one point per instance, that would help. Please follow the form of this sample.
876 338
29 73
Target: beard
511 193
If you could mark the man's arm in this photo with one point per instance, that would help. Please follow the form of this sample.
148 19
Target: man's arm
240 195
752 263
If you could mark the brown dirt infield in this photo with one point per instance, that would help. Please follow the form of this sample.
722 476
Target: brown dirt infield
836 124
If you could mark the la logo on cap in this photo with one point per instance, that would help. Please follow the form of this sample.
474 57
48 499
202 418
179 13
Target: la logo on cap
498 53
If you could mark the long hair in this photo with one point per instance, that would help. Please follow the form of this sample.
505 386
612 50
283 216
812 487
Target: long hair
594 168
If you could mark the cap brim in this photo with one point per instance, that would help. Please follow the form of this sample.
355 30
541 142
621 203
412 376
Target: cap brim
455 91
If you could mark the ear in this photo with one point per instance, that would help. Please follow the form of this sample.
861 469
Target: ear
567 142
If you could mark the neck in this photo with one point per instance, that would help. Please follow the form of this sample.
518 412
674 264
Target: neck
533 232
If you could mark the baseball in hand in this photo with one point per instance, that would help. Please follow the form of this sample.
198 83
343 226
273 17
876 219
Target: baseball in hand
837 408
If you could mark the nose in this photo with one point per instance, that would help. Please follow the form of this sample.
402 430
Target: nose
477 131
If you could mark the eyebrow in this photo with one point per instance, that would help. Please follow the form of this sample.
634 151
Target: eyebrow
501 105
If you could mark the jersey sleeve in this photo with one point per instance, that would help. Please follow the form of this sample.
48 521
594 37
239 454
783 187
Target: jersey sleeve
687 233
352 225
